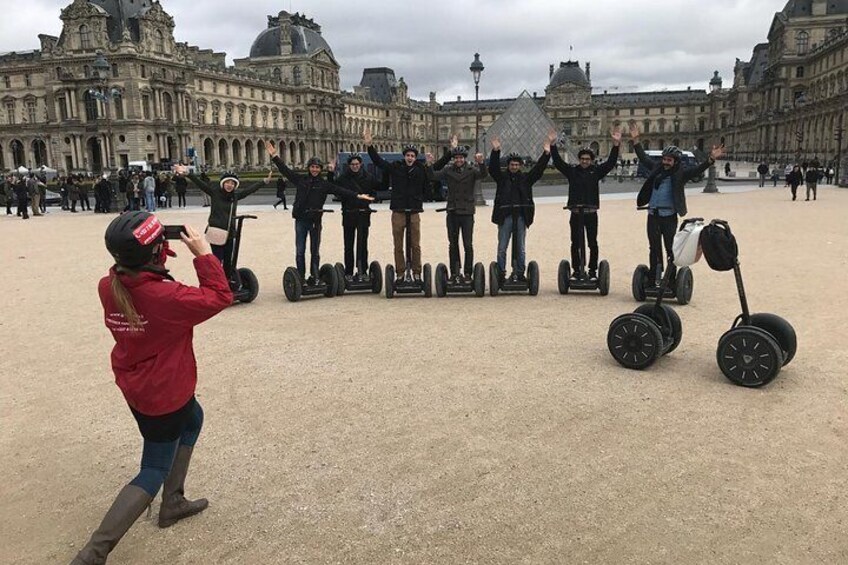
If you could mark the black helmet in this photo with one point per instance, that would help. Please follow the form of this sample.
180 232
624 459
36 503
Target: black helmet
673 152
354 157
314 161
514 157
229 175
131 238
459 150
408 148
586 151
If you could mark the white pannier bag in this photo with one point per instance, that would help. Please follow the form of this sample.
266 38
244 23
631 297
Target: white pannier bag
686 246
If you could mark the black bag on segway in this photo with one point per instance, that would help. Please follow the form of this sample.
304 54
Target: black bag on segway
718 245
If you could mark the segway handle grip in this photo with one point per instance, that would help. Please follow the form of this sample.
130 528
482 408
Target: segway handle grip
246 217
445 209
581 207
325 211
409 210
511 206
654 208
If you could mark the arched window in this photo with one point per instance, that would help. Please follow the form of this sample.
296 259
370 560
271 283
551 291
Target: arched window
168 106
278 75
296 77
91 112
160 41
802 42
85 37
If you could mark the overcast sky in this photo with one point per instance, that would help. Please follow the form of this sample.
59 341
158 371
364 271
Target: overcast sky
632 45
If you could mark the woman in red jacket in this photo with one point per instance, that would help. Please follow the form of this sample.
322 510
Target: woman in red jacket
151 318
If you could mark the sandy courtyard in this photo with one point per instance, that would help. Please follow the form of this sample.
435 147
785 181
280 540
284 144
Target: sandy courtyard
456 430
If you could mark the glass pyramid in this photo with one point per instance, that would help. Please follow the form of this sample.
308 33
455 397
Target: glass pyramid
522 128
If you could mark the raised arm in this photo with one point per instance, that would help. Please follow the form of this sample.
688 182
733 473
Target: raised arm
539 168
495 159
605 169
443 160
284 170
637 147
480 171
243 192
196 181
716 153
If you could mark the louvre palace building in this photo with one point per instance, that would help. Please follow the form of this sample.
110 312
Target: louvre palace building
116 87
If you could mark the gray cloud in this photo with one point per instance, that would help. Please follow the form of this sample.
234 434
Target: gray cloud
631 45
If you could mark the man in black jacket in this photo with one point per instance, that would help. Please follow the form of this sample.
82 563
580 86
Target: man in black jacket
356 218
310 196
408 179
663 193
763 170
514 188
461 177
22 194
583 190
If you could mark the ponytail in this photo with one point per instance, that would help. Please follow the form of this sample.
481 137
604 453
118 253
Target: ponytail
123 300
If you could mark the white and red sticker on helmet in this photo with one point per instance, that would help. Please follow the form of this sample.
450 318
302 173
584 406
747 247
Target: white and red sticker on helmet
149 231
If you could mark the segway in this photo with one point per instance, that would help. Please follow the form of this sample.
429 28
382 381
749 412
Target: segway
755 348
637 340
680 284
370 280
323 283
243 282
459 284
582 281
408 285
498 281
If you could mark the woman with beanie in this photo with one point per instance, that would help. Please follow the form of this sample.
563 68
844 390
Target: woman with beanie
151 318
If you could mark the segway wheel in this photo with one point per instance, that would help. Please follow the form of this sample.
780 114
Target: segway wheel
340 277
441 280
563 275
427 275
635 341
249 285
640 281
533 278
668 321
390 281
330 278
479 280
292 284
781 330
376 275
494 278
603 277
685 285
749 356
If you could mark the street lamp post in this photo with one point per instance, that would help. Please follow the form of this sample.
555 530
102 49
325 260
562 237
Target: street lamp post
840 130
476 69
102 92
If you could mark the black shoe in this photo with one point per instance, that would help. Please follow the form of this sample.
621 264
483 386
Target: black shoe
275 206
593 275
417 278
575 275
522 278
310 281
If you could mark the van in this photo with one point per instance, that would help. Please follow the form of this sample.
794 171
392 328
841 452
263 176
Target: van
385 191
688 161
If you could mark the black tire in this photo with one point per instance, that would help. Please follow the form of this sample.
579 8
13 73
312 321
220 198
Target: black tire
441 280
781 330
635 341
329 277
533 278
684 285
249 285
563 273
603 277
479 280
376 274
390 281
340 277
292 284
640 280
494 279
427 274
749 356
668 321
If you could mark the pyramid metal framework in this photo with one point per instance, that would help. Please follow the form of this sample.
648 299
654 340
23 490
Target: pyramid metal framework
522 128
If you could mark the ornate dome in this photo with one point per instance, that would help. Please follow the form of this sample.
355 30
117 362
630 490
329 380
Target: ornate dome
304 34
569 73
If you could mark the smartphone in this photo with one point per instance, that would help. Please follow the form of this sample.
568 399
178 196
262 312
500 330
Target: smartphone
174 232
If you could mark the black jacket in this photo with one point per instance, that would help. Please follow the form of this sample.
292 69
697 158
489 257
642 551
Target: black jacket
461 182
763 169
224 205
180 184
679 178
813 175
408 183
795 178
583 183
360 183
515 188
311 192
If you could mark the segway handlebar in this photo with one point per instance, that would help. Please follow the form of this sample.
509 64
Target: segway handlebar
445 209
319 211
581 208
654 208
510 206
246 217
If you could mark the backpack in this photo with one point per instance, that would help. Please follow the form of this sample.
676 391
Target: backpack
686 247
719 246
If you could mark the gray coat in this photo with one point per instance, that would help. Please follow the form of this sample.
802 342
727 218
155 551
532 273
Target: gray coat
461 182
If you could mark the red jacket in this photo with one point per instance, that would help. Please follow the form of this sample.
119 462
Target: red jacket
154 366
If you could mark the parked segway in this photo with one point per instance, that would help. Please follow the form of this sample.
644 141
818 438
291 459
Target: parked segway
680 283
459 284
498 281
324 283
409 285
582 281
243 282
755 348
370 280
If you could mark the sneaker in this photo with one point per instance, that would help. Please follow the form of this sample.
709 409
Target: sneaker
310 281
522 278
575 275
417 278
593 275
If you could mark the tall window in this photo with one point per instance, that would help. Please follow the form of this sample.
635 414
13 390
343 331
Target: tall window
145 106
228 116
296 76
7 81
702 123
27 80
118 102
201 113
298 122
160 41
802 42
168 105
10 113
91 113
115 70
143 71
30 108
646 126
216 112
63 109
85 37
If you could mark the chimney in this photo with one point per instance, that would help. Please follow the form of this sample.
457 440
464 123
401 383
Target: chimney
551 72
534 96
588 71
459 98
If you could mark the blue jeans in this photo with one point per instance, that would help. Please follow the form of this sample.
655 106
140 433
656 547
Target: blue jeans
504 236
157 457
150 201
302 228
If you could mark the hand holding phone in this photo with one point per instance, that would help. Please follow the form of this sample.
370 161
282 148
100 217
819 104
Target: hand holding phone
174 232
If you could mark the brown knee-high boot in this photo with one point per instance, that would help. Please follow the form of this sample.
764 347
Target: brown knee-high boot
128 506
175 506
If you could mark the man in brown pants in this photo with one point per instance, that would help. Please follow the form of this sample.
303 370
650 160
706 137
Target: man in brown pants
408 178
